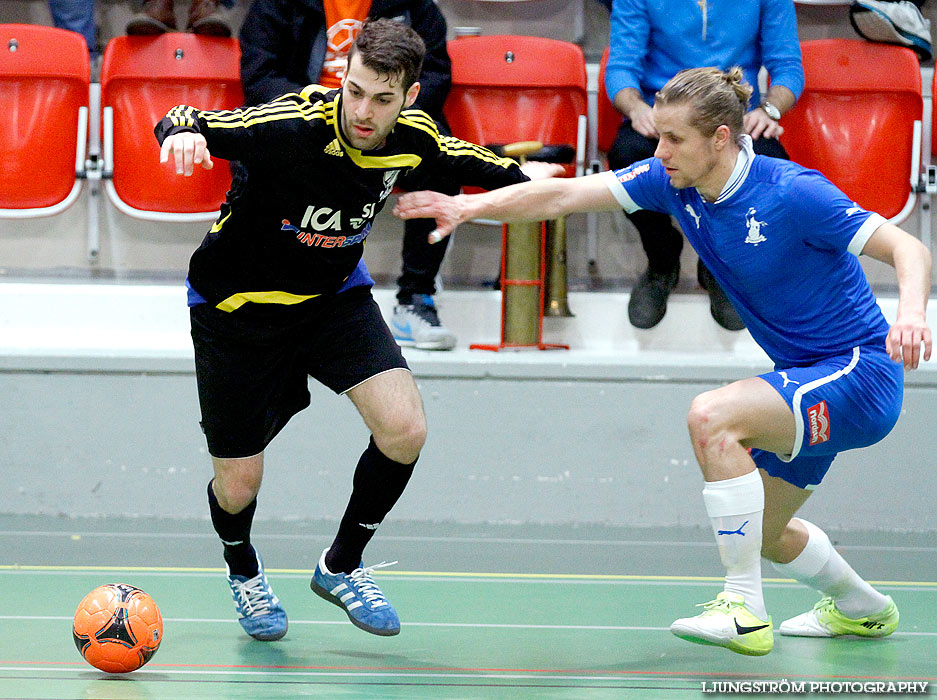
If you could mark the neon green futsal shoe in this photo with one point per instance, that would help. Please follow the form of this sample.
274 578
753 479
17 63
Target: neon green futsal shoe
825 620
726 622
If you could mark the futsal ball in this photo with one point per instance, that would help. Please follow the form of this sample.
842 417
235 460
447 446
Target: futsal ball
117 628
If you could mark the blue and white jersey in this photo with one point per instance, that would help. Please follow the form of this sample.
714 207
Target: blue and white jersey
783 242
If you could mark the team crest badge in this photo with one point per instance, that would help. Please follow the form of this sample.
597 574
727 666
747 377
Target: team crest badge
754 227
390 177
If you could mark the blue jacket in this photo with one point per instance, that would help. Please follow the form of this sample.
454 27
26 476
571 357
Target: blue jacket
653 40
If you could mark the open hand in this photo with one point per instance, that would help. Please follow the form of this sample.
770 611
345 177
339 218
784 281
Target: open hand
430 205
188 150
758 124
904 340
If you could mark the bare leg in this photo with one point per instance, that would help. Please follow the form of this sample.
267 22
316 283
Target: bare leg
723 424
391 407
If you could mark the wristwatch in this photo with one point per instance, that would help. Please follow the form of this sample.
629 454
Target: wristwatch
771 110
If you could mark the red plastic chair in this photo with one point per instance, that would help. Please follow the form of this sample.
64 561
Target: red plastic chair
44 79
142 78
607 118
858 122
509 88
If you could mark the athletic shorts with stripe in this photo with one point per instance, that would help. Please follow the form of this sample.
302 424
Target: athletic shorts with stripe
252 368
844 402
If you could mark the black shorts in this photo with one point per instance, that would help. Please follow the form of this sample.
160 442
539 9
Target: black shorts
252 369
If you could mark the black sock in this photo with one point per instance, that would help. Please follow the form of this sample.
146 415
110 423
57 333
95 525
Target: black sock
379 481
234 529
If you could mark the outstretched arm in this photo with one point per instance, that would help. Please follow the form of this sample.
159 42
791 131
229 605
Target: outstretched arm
537 200
912 263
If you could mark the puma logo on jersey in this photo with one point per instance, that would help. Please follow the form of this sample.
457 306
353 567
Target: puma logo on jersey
692 212
854 209
333 149
787 380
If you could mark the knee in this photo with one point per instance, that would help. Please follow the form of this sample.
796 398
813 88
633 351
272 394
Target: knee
711 424
234 497
701 420
236 489
413 436
403 438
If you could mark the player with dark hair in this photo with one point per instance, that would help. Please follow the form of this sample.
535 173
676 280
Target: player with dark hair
278 292
784 244
285 45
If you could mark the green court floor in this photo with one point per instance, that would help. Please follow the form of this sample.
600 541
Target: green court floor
494 631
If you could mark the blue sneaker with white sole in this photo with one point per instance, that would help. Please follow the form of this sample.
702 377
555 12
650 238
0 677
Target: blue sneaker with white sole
259 610
359 596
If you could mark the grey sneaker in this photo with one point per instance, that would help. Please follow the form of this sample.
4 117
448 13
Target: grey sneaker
417 325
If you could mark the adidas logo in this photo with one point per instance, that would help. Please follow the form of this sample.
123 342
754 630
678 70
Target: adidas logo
333 149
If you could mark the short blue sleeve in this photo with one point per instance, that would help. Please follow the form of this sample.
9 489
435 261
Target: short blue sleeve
642 185
832 220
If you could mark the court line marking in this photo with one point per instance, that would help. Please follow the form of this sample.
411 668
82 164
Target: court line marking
462 673
425 538
544 577
470 625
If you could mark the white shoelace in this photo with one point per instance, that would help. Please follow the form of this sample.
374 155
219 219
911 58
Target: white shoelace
365 586
253 596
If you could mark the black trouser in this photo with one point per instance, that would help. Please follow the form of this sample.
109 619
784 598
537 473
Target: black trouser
662 242
422 259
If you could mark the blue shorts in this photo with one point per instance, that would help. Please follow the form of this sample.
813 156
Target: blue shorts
844 402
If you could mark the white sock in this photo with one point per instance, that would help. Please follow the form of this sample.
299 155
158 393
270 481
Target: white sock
821 567
735 508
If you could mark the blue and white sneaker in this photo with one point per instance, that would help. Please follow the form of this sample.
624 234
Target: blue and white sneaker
359 596
417 325
259 610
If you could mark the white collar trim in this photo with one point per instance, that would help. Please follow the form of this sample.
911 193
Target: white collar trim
743 164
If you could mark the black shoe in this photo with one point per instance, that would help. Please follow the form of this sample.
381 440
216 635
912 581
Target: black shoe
719 305
648 302
722 310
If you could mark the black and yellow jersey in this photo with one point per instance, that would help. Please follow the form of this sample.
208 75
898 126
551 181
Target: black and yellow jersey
294 223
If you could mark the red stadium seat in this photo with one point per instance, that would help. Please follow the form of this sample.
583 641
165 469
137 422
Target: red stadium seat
518 88
44 80
510 89
607 118
142 78
858 121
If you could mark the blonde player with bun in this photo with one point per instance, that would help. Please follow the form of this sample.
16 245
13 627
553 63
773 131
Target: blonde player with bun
784 244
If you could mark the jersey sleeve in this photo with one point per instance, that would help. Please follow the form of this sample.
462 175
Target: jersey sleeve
457 160
835 221
273 131
642 185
